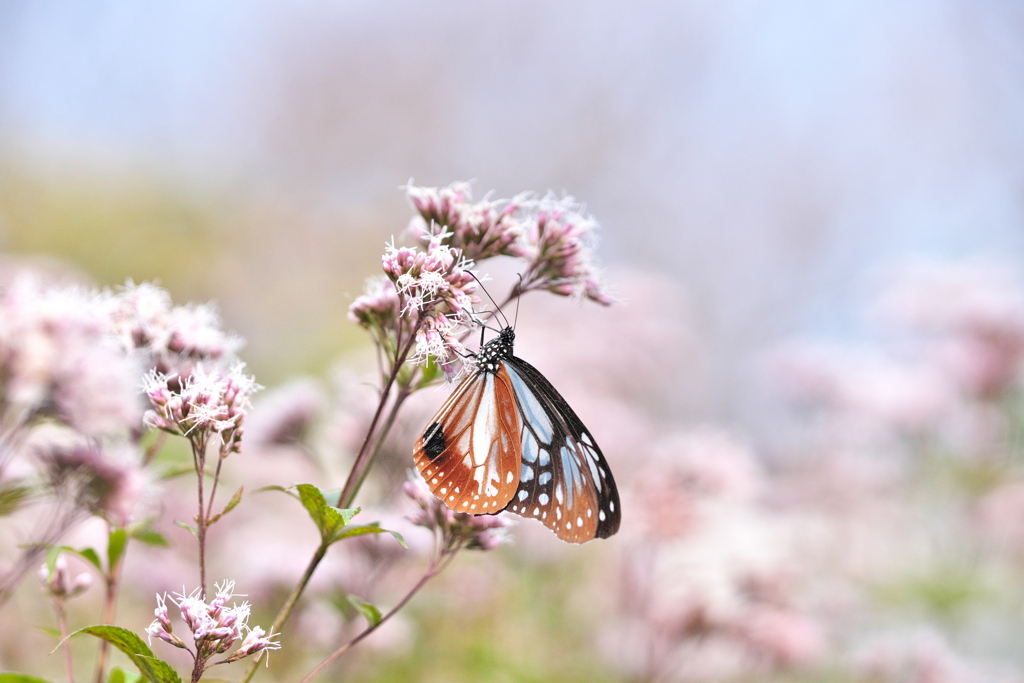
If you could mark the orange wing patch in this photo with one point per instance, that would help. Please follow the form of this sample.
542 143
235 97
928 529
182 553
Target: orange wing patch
469 454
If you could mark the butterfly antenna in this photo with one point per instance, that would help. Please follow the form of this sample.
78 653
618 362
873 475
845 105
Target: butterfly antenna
497 308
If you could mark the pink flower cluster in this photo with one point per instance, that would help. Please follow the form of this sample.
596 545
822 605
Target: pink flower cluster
479 230
59 584
557 247
553 235
434 286
215 627
455 529
204 404
379 307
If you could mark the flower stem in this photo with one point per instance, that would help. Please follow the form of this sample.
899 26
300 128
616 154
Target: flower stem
403 393
435 567
113 583
289 604
361 465
62 624
199 458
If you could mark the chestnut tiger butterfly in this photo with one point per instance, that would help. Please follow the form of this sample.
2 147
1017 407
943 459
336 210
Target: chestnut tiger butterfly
506 440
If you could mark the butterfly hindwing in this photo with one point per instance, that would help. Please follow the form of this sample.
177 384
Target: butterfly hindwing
564 480
469 453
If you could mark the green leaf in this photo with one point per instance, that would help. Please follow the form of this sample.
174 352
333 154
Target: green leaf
363 530
87 554
124 676
116 544
90 556
371 613
179 470
191 529
232 504
328 519
282 489
21 678
153 669
12 496
147 536
431 372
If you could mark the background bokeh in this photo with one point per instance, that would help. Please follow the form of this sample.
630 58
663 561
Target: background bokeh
765 165
764 157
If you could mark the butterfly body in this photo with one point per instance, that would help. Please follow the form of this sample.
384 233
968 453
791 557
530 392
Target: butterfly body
506 440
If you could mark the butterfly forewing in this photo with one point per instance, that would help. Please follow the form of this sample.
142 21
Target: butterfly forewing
469 453
564 480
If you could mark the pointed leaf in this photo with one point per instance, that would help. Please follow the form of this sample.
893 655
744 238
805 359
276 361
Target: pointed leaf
87 554
329 520
153 669
126 676
147 536
179 470
371 613
116 544
50 631
21 678
282 489
232 504
191 529
362 530
116 676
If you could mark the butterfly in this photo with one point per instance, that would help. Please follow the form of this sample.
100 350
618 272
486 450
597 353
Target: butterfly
506 440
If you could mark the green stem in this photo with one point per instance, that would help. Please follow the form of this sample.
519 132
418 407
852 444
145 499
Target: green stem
199 458
437 565
289 604
113 582
62 624
360 467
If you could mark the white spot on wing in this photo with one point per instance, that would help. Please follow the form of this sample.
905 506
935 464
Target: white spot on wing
484 424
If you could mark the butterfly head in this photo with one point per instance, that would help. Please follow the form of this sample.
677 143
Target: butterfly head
496 351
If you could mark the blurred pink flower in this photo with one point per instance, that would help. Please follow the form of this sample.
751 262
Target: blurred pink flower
971 316
904 396
686 473
106 480
999 516
58 356
172 338
782 636
921 658
59 583
287 415
456 529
